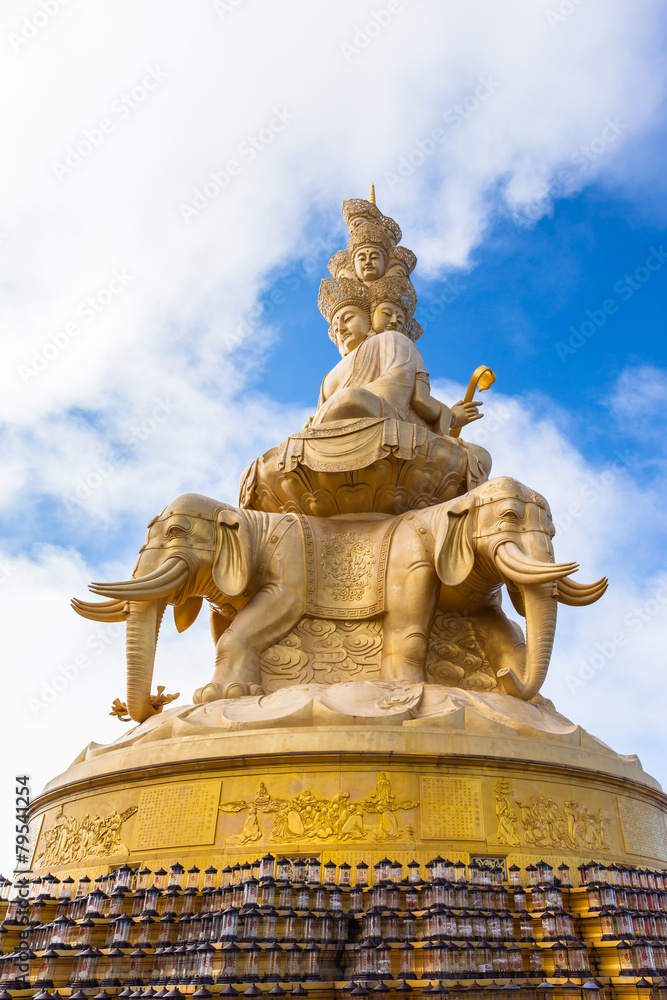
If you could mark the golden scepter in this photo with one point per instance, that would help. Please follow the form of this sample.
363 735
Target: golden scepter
482 378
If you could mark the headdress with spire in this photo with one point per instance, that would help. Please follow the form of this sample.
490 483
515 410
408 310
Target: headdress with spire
356 211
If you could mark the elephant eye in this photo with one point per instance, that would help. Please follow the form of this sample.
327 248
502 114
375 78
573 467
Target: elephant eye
178 530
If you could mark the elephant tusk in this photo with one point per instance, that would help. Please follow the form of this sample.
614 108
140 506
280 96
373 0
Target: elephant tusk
158 574
107 611
146 589
166 589
578 595
520 568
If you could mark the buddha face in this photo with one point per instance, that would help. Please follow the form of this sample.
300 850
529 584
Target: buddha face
350 326
397 269
388 316
346 271
369 263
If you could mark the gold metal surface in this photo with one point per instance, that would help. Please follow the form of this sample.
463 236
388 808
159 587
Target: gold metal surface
178 815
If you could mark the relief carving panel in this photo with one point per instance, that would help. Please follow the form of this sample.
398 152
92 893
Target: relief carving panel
541 821
306 816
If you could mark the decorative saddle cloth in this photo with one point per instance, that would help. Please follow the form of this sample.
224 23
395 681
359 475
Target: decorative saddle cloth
346 564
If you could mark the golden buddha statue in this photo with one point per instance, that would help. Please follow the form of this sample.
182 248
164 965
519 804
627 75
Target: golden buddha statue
378 441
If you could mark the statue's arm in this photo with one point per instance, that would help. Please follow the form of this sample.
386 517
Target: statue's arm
428 407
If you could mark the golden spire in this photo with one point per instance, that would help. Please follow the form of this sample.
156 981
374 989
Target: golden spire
371 196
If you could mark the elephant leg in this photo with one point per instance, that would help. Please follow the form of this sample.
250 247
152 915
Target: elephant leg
412 602
265 619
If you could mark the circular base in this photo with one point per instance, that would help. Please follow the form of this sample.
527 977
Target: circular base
462 784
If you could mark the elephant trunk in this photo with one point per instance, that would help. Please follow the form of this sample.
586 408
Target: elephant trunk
143 625
540 602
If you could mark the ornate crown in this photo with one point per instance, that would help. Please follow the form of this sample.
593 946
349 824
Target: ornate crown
357 211
368 234
339 260
333 294
395 290
413 329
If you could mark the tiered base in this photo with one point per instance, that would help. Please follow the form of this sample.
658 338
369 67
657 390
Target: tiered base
463 784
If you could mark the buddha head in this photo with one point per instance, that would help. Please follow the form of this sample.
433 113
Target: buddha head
357 211
368 249
392 303
340 266
344 304
402 263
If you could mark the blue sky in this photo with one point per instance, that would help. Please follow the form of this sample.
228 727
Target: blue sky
521 302
160 327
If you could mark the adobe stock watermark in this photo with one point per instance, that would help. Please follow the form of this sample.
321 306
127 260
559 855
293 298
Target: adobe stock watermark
86 312
625 288
595 487
605 651
566 8
527 215
289 281
121 109
454 117
247 151
494 420
102 470
50 690
365 33
225 7
32 25
449 291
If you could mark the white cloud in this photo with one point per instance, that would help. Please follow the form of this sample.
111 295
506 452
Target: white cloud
514 99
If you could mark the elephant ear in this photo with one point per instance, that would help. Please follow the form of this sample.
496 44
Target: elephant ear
454 555
186 614
231 560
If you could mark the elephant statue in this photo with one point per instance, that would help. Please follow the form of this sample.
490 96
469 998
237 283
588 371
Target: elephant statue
500 534
262 572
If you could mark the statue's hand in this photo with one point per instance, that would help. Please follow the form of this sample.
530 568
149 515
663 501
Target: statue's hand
465 413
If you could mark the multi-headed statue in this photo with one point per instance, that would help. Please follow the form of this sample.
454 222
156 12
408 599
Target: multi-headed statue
374 511
379 440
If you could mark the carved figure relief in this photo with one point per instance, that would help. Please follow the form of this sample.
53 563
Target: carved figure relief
546 823
506 815
71 839
306 817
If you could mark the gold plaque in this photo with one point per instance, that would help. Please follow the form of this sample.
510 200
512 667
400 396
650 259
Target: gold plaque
644 828
183 815
451 808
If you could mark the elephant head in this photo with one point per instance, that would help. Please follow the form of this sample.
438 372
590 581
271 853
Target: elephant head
501 532
196 548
